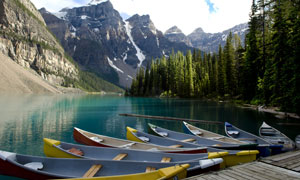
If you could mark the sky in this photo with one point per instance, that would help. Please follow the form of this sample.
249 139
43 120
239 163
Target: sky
211 15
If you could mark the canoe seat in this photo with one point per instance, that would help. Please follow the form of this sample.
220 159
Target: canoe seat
92 171
76 151
152 149
120 157
233 132
188 140
95 138
127 145
164 134
197 132
149 169
215 138
34 165
176 146
268 133
165 159
143 138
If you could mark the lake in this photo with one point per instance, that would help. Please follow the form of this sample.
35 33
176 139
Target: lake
25 120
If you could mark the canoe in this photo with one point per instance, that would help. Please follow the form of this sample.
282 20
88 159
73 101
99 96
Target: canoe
230 157
274 136
199 140
33 168
57 149
297 141
190 129
92 139
265 148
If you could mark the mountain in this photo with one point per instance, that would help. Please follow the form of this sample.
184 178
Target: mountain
208 42
174 34
25 38
100 41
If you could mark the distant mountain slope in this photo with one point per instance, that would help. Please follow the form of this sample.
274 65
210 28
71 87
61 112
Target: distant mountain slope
208 42
25 38
97 38
14 79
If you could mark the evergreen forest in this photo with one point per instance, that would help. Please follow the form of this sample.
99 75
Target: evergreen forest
264 71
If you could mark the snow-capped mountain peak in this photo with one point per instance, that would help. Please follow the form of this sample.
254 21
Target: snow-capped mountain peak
95 2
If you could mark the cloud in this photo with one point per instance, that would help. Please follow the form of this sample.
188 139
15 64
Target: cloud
56 5
211 15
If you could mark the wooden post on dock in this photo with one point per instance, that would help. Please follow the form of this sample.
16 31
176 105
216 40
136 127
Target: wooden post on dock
171 118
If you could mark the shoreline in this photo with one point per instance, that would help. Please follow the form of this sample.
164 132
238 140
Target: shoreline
272 110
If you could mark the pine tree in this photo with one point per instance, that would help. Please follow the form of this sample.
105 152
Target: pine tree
221 73
252 57
190 75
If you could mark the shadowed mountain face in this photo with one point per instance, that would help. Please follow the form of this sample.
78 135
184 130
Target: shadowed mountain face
208 42
97 38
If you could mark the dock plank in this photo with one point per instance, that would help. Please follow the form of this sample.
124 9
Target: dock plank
284 167
223 176
246 172
240 175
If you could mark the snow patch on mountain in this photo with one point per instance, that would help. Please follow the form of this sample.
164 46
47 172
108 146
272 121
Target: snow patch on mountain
84 16
157 41
113 66
60 15
139 53
96 2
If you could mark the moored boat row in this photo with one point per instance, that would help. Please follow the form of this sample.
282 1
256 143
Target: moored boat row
166 155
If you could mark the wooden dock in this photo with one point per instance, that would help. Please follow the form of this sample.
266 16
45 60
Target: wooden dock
280 167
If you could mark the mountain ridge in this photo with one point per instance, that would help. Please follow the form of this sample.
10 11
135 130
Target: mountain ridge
116 47
208 42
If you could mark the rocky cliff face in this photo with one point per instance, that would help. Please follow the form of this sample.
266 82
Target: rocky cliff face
208 42
25 38
100 41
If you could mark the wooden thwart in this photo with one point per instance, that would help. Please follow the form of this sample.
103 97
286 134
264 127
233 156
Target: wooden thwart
176 146
92 171
149 169
188 140
120 157
165 159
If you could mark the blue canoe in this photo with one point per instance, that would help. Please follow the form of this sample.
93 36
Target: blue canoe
265 148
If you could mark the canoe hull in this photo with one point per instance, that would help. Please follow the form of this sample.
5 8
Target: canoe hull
198 140
264 147
51 151
297 141
177 172
275 137
230 159
10 169
188 129
80 138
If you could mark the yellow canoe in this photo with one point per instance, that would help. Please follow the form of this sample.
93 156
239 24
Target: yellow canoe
230 157
169 173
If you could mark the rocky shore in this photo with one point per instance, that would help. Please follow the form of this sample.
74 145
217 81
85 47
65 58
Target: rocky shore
273 110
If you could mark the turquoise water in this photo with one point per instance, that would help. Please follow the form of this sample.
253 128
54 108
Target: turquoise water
26 120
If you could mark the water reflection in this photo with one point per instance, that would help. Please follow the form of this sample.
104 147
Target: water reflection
26 120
